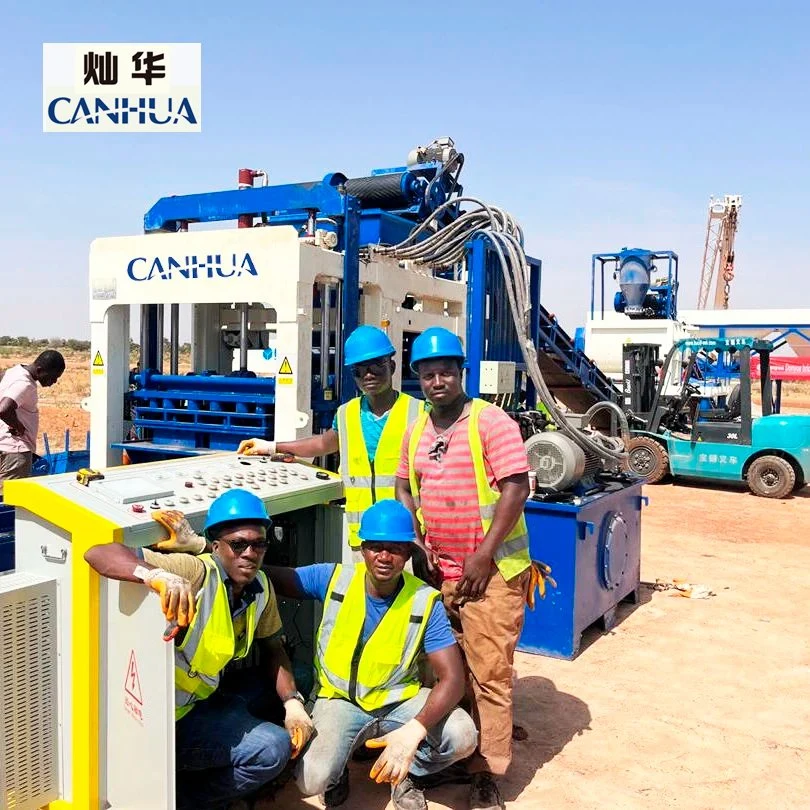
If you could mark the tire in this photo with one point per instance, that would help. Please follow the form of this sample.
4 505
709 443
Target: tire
648 459
771 477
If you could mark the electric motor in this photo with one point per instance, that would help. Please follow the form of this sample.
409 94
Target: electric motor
558 463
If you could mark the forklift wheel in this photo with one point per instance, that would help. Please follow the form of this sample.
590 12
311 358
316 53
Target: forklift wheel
771 477
648 459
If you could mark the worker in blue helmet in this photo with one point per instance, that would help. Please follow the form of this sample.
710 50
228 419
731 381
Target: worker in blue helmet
377 621
464 477
367 430
217 604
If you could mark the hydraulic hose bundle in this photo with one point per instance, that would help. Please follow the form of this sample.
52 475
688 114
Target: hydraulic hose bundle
447 246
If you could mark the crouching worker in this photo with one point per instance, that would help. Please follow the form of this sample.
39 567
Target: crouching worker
218 604
377 620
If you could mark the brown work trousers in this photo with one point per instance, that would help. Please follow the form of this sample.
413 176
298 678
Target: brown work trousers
14 465
487 631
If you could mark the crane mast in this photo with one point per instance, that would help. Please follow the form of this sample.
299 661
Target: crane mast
718 252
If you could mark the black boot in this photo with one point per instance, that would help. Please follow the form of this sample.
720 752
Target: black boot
338 794
484 793
408 795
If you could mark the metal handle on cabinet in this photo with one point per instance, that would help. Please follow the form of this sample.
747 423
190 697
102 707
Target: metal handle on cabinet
584 527
50 558
643 500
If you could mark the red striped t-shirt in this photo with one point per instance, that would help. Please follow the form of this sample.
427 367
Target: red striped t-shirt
447 485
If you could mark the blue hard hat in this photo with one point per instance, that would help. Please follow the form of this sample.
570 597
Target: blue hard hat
367 343
436 342
236 505
387 521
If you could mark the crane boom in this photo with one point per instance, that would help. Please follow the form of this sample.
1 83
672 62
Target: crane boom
718 251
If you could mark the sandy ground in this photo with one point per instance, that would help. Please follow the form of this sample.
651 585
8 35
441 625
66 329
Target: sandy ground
698 704
687 703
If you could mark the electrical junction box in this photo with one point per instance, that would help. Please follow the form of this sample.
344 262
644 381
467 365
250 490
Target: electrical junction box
497 377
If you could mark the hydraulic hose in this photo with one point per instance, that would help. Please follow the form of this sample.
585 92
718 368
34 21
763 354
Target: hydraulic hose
446 246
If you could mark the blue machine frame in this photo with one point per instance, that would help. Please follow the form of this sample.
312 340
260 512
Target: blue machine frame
491 333
216 412
595 567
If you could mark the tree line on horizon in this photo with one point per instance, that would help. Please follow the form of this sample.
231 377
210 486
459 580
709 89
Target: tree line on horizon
73 344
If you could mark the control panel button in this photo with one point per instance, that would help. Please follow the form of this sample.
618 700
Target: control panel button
138 507
322 475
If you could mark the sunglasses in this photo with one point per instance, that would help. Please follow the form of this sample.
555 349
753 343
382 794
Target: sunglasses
239 547
376 367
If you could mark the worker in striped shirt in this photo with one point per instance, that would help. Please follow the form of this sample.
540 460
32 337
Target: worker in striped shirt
463 473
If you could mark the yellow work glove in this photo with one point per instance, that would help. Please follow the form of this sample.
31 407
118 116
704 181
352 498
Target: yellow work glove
399 749
176 597
182 537
256 447
298 724
540 572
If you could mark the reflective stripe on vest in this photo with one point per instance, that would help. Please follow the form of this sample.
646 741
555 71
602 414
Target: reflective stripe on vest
382 671
512 555
209 643
366 482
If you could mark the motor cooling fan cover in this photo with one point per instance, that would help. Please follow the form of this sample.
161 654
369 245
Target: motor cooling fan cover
557 462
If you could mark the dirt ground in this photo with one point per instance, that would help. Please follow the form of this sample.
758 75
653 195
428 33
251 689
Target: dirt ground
698 704
687 703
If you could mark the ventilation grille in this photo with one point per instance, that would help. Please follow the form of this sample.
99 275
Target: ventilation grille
28 692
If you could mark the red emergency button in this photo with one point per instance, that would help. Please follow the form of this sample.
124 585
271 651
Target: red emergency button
138 507
189 484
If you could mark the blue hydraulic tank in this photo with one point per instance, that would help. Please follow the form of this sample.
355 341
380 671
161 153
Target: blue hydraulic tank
594 550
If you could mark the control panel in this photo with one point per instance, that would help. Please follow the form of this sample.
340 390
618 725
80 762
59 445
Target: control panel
129 495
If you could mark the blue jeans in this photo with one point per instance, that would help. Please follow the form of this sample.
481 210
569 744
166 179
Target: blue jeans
341 727
224 752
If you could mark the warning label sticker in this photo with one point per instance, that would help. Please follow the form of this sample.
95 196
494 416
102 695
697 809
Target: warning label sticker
285 367
133 696
98 364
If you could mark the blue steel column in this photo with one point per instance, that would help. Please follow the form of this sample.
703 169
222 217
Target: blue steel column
476 313
351 285
535 275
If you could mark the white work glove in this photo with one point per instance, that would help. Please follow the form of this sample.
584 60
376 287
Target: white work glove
256 447
182 537
176 598
299 725
399 749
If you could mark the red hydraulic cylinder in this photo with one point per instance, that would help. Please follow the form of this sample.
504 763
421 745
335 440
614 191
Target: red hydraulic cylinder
246 177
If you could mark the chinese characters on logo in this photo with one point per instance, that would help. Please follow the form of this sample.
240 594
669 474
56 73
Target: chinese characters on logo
102 68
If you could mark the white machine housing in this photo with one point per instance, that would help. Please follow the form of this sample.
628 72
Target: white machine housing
214 271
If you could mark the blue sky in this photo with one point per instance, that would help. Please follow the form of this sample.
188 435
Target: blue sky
598 125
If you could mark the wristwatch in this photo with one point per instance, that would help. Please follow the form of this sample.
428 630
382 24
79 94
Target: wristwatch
295 696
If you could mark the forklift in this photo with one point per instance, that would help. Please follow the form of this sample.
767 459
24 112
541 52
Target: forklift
678 430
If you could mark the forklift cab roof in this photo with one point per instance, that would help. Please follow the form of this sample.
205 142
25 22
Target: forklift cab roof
724 344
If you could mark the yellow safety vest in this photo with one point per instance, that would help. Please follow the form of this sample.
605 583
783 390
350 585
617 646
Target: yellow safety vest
384 670
209 643
512 556
367 481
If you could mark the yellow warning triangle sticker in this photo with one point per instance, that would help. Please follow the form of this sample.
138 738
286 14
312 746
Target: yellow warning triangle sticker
285 368
97 361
